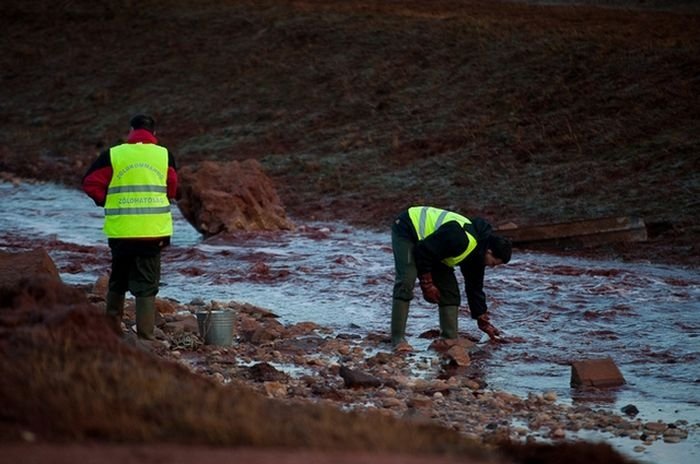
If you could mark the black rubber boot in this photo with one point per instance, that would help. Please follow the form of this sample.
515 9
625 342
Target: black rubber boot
115 310
145 317
448 321
399 316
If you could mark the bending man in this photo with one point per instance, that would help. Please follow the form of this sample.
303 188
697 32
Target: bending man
428 243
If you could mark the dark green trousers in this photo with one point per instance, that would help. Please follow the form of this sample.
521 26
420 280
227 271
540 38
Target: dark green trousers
137 274
406 273
405 281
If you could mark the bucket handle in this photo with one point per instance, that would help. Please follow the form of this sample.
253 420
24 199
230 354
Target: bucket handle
205 324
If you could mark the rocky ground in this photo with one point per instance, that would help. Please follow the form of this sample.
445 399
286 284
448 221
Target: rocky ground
297 387
361 373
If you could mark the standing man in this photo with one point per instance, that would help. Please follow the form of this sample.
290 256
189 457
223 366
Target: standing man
428 243
135 182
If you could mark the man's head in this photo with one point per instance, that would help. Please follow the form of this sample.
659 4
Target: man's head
142 121
498 251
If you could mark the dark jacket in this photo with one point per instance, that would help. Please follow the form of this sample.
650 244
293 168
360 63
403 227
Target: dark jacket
450 240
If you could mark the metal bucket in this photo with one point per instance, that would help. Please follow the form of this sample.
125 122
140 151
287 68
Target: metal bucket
216 327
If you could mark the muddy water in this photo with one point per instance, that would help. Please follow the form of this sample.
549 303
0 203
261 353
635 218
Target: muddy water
552 309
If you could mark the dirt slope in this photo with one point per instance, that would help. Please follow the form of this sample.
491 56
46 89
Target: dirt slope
518 112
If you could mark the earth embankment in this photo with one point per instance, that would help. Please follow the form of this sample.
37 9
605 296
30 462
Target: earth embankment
518 112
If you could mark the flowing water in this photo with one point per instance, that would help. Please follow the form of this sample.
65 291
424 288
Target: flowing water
552 309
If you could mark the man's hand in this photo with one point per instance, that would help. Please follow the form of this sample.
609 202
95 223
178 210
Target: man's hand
430 291
486 326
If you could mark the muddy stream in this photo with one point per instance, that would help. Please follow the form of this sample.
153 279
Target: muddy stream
553 310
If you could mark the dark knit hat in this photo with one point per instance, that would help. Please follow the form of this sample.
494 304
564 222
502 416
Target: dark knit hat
501 247
142 121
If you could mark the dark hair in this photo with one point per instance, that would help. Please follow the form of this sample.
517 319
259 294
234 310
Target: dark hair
142 121
501 247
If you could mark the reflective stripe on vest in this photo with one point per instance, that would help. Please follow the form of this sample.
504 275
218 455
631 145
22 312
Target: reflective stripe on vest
137 204
427 220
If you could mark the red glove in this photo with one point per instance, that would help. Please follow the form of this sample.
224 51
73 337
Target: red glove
486 326
431 294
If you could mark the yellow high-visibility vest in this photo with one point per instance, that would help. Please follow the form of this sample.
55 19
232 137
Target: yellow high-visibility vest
427 220
137 204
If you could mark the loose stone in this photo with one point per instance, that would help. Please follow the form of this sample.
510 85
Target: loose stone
630 410
655 426
558 434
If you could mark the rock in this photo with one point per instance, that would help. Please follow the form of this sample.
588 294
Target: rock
549 396
294 344
186 323
302 328
165 306
257 332
358 379
458 355
344 350
30 279
255 312
101 286
655 427
507 398
674 432
557 434
27 265
275 389
442 345
596 373
429 388
220 197
471 384
264 372
379 359
392 403
631 410
419 402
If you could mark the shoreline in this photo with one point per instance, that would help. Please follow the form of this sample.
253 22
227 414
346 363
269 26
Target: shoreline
282 362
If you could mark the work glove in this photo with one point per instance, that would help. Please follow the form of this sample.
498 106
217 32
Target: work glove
431 294
486 326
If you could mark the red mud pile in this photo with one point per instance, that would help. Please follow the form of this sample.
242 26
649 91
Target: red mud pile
229 197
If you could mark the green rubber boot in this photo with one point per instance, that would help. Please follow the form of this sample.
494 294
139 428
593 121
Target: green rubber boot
115 310
145 317
399 316
448 321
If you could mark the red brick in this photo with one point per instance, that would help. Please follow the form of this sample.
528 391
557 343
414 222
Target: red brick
596 373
